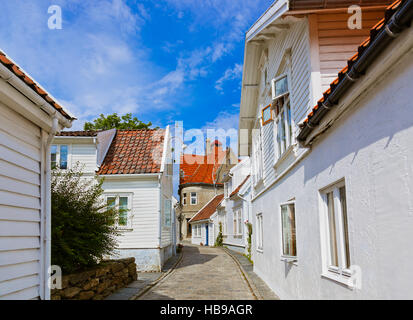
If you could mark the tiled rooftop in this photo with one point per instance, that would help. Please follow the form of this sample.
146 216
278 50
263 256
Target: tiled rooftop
208 210
134 152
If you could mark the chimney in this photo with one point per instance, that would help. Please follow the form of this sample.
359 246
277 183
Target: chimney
208 148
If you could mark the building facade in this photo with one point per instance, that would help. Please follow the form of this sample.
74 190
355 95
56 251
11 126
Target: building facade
331 193
200 181
137 169
29 118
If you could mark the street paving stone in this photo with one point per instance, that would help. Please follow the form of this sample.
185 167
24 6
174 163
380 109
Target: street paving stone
205 273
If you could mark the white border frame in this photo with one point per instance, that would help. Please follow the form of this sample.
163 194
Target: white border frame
284 257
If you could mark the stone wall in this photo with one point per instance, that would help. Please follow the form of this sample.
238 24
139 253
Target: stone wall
97 283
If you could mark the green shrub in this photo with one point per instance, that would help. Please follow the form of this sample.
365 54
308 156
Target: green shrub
220 238
83 226
249 227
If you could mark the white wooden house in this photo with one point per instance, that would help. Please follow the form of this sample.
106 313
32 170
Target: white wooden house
331 184
202 223
137 169
234 211
29 119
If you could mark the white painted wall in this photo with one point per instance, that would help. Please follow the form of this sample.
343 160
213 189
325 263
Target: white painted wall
370 147
20 206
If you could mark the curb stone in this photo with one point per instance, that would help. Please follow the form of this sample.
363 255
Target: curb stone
154 283
250 283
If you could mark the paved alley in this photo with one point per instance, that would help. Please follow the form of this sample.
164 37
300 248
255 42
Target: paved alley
203 273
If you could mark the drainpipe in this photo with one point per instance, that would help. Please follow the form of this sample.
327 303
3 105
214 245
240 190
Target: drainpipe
160 219
47 222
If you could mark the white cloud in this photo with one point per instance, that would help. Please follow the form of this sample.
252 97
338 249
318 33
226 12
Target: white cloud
229 74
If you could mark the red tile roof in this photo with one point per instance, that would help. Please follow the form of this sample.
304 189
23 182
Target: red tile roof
390 10
134 152
9 64
77 134
208 210
201 168
233 193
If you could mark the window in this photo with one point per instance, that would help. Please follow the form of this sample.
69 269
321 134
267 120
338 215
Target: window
283 129
283 125
266 115
288 233
184 199
279 86
59 156
260 230
194 199
257 156
235 223
334 218
238 222
123 203
167 213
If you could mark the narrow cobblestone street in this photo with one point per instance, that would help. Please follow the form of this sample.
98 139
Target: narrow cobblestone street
203 273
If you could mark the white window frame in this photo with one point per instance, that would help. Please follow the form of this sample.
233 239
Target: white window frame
288 124
58 147
184 198
340 273
226 193
260 233
130 208
258 170
284 257
191 198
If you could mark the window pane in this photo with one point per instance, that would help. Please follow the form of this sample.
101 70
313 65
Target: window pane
289 122
283 132
63 156
288 230
111 202
332 230
123 211
53 156
281 86
266 114
345 224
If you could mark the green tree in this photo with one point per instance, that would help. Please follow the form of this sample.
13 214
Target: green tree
113 121
83 225
219 242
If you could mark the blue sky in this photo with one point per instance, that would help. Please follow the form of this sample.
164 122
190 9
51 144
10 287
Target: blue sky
161 60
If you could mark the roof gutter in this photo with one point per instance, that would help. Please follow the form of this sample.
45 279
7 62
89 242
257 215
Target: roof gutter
18 84
399 22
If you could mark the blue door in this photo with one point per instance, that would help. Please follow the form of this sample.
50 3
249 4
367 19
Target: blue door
207 234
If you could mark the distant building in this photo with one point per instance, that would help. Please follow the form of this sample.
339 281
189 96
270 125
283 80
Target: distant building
199 181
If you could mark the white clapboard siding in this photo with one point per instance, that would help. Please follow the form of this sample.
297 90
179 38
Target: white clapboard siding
86 155
296 39
338 43
20 158
145 209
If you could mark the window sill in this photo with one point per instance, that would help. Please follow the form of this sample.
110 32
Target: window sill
292 260
124 229
284 156
260 250
342 279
